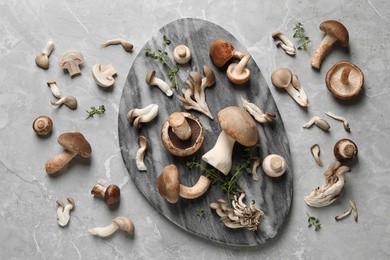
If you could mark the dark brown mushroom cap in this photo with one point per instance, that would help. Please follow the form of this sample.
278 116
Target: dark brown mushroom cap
179 147
354 83
221 51
345 150
112 195
75 143
149 77
336 30
237 123
168 183
42 125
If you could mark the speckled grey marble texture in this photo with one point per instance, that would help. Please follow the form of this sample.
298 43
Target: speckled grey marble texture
28 195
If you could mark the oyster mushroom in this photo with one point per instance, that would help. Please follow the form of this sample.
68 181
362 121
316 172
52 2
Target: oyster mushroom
103 75
110 194
71 60
137 116
182 54
74 144
125 44
152 80
315 151
256 164
221 51
194 97
170 188
284 79
69 101
121 222
352 206
330 190
284 42
63 212
274 165
139 158
237 72
318 121
42 59
54 89
345 150
344 80
42 125
256 112
237 125
335 31
182 134
340 118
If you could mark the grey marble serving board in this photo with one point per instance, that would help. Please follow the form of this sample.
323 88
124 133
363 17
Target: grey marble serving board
273 196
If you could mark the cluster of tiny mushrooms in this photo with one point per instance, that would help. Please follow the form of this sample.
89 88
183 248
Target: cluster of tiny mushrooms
183 134
74 143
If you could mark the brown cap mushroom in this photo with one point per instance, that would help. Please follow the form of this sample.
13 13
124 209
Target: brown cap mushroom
237 125
74 144
42 125
335 31
238 73
71 60
182 134
110 194
344 80
345 150
221 51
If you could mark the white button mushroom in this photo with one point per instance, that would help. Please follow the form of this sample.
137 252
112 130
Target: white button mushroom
103 75
274 165
71 60
182 54
42 59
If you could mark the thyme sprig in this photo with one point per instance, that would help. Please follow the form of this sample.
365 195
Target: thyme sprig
200 213
299 33
95 111
160 56
313 221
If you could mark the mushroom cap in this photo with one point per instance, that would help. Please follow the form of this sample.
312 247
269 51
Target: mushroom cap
274 165
124 224
70 56
168 183
238 124
42 125
102 79
112 195
187 147
281 78
76 143
221 51
345 150
238 78
336 30
339 89
149 76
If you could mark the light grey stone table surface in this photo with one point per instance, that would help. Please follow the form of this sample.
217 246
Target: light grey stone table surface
28 225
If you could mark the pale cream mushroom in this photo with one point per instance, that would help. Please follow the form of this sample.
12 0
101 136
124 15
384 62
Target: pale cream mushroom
137 116
352 206
125 44
238 73
274 165
345 150
104 75
63 212
71 60
42 125
152 80
340 118
284 42
256 112
318 121
42 59
54 89
140 155
256 164
170 188
121 222
69 101
182 54
315 151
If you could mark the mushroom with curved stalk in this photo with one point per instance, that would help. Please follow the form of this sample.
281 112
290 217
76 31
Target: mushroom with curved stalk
182 54
352 206
152 80
344 80
123 223
125 44
194 97
237 72
256 164
221 51
284 42
110 194
182 134
69 101
274 165
330 190
170 188
315 151
335 31
256 112
345 150
318 121
42 59
284 79
340 118
63 212
74 144
54 89
42 125
137 116
103 75
71 60
237 125
139 157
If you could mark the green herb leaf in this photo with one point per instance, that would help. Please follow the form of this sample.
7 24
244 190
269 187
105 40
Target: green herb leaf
313 221
95 111
299 33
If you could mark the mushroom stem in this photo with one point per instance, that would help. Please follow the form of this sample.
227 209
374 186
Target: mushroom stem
72 67
104 231
345 75
56 163
54 89
242 64
197 190
340 118
220 156
276 164
322 50
126 45
180 126
69 101
321 123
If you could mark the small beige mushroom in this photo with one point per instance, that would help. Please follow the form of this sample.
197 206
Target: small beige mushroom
340 118
256 112
256 164
284 42
315 151
182 54
139 158
63 212
274 165
125 44
137 116
237 72
42 125
152 80
54 89
318 121
352 207
42 59
104 75
71 60
121 222
110 194
69 101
